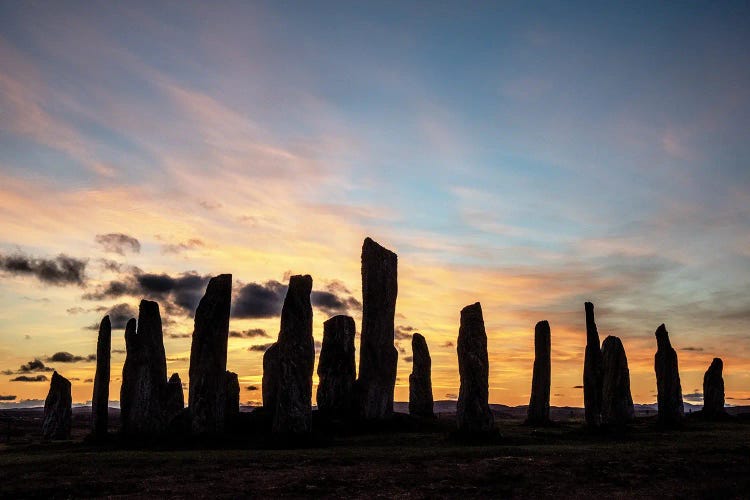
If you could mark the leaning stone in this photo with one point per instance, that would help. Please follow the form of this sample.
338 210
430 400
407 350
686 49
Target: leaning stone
420 380
58 409
592 371
473 414
538 412
617 402
208 358
669 389
100 397
713 390
336 369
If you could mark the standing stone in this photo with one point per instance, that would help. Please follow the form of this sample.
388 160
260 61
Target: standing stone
592 371
100 398
668 385
232 388
617 403
538 412
336 369
473 414
174 398
713 390
144 374
270 378
293 414
58 409
420 380
378 356
208 358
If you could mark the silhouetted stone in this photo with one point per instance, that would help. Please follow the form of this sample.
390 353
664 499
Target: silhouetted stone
174 398
617 403
473 414
232 384
336 369
420 380
592 371
378 356
100 397
58 409
668 385
270 378
144 374
208 358
293 413
538 412
713 390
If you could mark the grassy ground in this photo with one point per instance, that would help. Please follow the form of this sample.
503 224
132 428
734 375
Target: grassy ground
703 460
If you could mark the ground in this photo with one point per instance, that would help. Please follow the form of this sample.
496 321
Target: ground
701 460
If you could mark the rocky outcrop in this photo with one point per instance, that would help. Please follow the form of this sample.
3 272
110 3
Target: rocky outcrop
293 412
174 398
270 378
208 358
336 369
713 390
538 412
668 385
58 409
377 354
144 374
473 413
100 397
232 388
420 380
617 403
592 371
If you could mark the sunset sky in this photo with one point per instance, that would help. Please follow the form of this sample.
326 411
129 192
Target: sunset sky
530 158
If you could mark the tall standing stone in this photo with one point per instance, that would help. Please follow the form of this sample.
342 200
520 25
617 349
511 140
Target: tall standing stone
208 358
293 414
669 390
473 414
592 371
617 403
100 397
538 412
232 409
713 390
378 356
174 398
336 369
271 377
144 374
58 409
420 380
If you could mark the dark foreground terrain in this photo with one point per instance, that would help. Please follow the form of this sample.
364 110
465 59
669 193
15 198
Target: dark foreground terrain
704 459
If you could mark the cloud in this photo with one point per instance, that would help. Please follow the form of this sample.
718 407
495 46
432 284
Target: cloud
120 314
260 347
447 343
693 397
174 248
690 348
409 359
60 271
333 304
66 357
577 387
7 398
452 397
118 351
118 243
179 335
34 365
403 332
27 378
249 388
88 380
253 332
256 300
210 205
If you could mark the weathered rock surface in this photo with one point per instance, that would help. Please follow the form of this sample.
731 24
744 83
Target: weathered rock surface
271 377
617 402
58 409
293 414
174 398
473 414
336 369
420 380
208 358
144 374
713 390
538 412
592 371
100 397
232 384
378 356
668 385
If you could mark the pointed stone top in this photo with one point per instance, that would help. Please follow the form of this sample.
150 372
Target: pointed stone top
472 309
371 246
105 323
58 379
662 337
175 379
717 364
543 324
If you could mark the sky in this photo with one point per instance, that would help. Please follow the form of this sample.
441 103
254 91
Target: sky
527 157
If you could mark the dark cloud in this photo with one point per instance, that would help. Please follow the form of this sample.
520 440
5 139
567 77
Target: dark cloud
260 347
179 335
60 271
120 314
88 380
447 343
404 332
118 351
174 248
118 243
451 396
333 304
7 398
66 357
693 397
409 359
694 349
32 378
251 333
249 388
256 300
577 387
35 365
210 205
